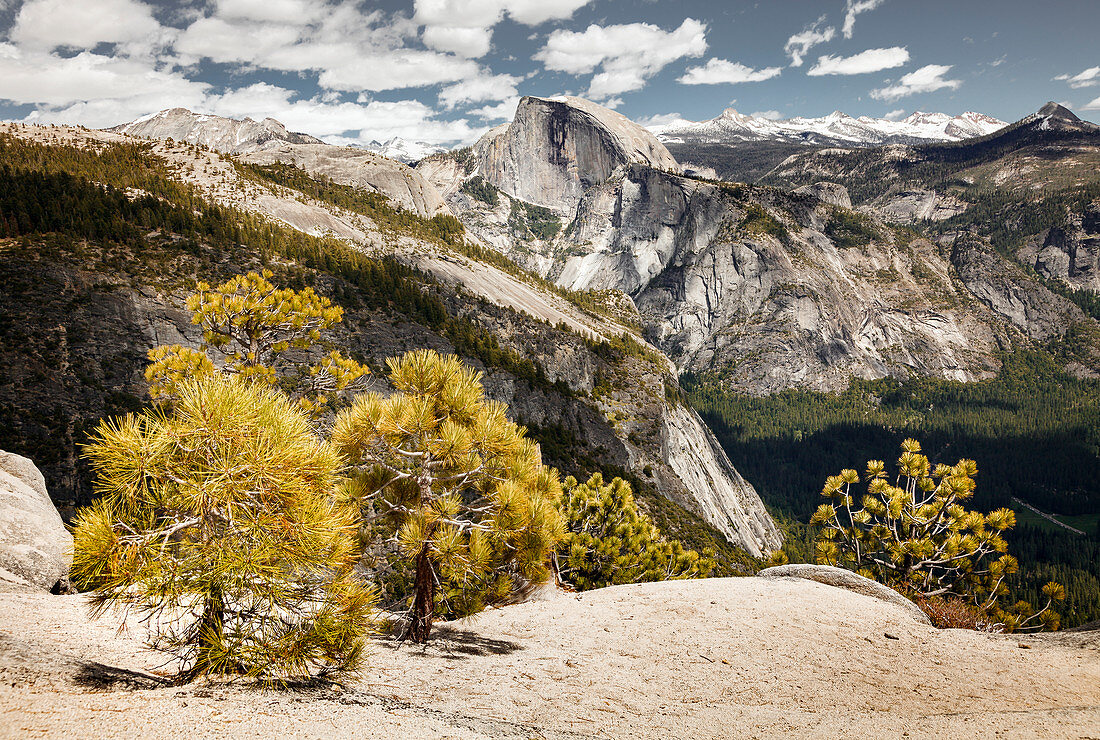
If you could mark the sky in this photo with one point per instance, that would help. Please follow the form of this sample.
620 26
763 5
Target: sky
444 71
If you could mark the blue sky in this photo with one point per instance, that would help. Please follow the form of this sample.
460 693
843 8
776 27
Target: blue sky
443 71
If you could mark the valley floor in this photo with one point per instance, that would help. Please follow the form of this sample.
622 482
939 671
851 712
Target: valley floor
719 658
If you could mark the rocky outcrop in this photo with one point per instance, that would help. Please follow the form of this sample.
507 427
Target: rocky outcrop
918 205
229 135
1007 290
846 579
827 192
557 148
35 547
1071 253
721 495
404 186
628 230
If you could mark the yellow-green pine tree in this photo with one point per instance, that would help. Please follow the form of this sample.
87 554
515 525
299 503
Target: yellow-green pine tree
250 324
915 536
609 541
219 521
465 494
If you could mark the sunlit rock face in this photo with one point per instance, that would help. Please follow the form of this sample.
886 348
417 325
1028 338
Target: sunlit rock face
557 148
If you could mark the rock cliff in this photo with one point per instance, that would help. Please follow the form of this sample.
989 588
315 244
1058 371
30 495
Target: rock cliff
1071 253
727 502
1009 292
748 282
556 148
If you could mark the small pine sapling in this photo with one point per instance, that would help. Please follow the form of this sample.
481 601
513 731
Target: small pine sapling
916 537
609 541
219 523
455 485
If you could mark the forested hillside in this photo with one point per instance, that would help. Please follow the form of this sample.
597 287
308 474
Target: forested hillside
99 247
1034 431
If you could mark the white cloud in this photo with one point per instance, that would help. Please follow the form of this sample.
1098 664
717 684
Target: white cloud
872 60
809 37
53 81
376 120
465 27
771 115
895 115
397 69
534 12
1092 105
483 87
854 8
268 11
348 49
1087 78
51 24
467 42
926 79
725 72
504 110
627 56
660 119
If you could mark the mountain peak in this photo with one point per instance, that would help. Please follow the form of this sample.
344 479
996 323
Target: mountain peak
1054 110
231 135
556 148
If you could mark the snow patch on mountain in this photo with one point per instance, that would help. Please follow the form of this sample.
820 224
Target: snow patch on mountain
403 150
835 128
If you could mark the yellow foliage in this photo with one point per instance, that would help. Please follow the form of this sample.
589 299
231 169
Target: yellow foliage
917 538
249 323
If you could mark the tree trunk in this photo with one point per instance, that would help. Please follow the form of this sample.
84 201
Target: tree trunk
211 630
420 624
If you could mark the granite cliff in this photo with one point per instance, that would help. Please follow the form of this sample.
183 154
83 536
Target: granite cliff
764 287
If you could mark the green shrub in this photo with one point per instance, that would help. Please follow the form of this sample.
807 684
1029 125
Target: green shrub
218 522
610 542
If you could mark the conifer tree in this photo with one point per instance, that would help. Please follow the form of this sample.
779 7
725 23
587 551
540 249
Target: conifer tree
219 523
609 541
251 325
915 536
463 494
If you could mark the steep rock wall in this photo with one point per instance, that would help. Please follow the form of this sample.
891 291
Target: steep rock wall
722 496
556 148
718 292
1072 253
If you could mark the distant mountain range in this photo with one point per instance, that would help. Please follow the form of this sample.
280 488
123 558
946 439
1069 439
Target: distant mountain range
836 128
403 150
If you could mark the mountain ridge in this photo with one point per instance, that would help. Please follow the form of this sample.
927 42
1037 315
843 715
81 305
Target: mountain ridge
835 128
223 134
